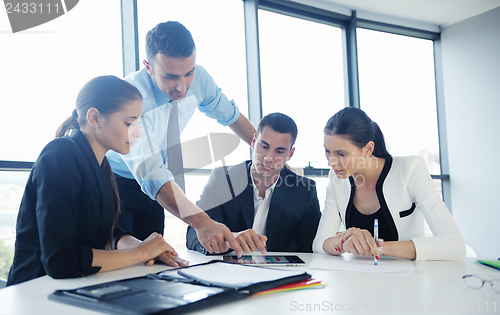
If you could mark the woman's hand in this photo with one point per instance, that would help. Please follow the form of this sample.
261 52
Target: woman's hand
156 248
359 242
334 245
169 259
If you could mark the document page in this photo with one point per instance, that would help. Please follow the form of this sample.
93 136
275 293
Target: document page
235 276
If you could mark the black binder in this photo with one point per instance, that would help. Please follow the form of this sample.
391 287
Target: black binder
170 292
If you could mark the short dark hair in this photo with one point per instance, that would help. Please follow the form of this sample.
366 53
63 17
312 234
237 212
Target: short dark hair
280 123
354 124
171 39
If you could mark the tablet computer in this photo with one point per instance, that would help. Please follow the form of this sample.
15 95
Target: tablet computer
265 260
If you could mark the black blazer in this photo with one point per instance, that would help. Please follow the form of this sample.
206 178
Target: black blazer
293 216
66 211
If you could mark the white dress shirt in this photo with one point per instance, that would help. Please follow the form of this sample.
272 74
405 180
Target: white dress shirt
261 206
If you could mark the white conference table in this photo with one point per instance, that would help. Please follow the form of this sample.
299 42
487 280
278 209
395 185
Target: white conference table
433 287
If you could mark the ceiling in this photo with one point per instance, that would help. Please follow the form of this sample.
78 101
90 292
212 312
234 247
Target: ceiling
438 12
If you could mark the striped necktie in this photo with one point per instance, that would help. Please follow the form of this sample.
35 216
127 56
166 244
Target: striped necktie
174 151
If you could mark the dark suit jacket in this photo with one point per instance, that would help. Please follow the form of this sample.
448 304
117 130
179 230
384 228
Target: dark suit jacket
293 216
66 211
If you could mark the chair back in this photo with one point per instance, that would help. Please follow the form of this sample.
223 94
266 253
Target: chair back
470 251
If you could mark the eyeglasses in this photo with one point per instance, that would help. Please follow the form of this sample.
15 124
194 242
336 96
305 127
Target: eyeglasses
477 282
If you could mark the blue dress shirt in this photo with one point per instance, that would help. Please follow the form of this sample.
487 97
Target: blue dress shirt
147 160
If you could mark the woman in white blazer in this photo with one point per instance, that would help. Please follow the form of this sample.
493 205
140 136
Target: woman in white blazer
367 183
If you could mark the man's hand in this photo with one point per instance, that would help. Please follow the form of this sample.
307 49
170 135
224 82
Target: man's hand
216 237
250 241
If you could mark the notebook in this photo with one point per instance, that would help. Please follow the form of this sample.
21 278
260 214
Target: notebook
490 263
180 290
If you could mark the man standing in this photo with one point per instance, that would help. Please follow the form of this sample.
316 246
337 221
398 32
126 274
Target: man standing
261 201
150 177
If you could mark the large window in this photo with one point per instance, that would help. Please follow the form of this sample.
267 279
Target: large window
397 90
302 76
11 191
45 67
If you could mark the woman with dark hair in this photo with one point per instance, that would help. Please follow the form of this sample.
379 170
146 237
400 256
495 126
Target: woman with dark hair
367 183
67 218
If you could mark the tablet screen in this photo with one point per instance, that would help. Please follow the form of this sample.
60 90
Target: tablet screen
288 260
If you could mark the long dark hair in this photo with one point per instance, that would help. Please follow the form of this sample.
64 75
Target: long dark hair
107 94
354 124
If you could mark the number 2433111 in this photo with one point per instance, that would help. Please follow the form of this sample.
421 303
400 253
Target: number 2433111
31 8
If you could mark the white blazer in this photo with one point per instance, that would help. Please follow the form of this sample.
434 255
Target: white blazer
407 182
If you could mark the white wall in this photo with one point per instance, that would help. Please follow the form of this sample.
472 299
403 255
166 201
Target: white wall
471 75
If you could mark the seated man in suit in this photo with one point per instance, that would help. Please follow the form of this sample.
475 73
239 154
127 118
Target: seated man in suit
261 201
